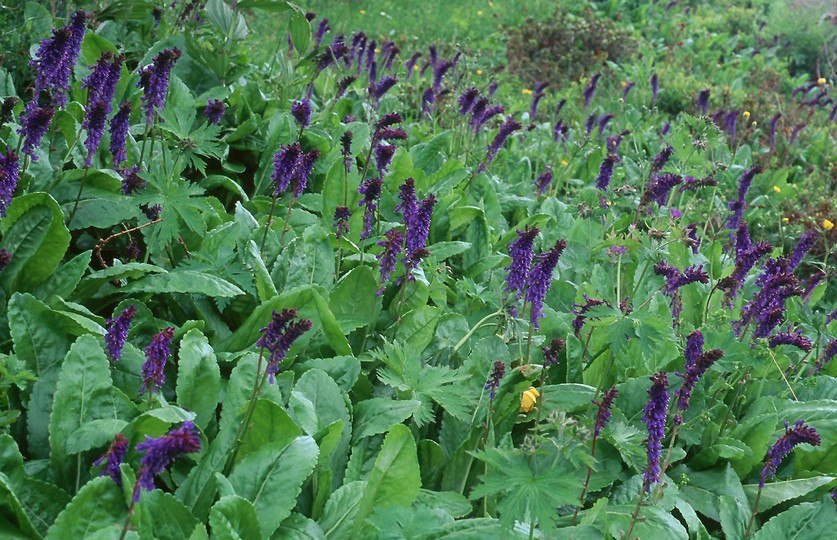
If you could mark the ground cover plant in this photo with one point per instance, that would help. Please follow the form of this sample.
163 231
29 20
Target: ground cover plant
278 273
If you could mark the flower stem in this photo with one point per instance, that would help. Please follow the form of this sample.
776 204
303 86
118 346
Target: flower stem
78 195
586 481
635 515
753 515
267 225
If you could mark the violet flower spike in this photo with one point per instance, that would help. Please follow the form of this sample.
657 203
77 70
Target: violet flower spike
389 257
543 181
697 363
795 339
154 81
285 163
580 311
294 331
344 85
9 177
539 280
702 104
301 111
509 126
371 191
550 354
94 122
117 332
467 99
161 452
498 370
156 355
418 230
408 205
590 89
773 122
342 214
383 157
606 171
655 88
113 458
536 98
786 443
131 181
346 150
521 254
603 410
34 123
661 159
119 125
214 111
803 246
654 416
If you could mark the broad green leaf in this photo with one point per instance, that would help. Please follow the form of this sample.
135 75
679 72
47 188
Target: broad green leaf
272 477
42 501
353 300
163 517
417 327
84 393
395 479
198 377
299 527
98 505
300 30
704 488
66 278
734 517
270 425
94 434
10 499
341 510
234 518
34 231
806 521
184 281
377 415
775 493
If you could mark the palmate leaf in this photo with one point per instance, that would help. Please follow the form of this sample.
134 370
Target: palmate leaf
528 487
404 371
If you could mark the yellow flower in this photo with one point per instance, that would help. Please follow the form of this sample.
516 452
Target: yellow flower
821 81
479 13
827 225
623 84
529 399
746 114
564 163
785 220
377 51
777 189
527 91
416 68
479 72
363 12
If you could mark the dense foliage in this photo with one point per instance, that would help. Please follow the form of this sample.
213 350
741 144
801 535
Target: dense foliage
266 278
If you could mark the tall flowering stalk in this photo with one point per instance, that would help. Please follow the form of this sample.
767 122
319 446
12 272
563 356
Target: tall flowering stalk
9 176
119 125
54 61
113 458
154 81
739 204
590 89
603 412
521 254
156 356
539 281
784 446
606 171
160 453
117 332
509 126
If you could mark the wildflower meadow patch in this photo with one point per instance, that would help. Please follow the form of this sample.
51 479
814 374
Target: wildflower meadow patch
272 273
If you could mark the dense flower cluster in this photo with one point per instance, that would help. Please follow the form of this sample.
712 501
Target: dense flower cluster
697 363
540 280
156 356
278 336
161 452
113 458
654 416
494 379
117 332
786 443
603 411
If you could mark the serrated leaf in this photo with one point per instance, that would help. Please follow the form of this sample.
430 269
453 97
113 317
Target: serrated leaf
806 521
775 493
198 377
377 415
234 518
184 281
98 505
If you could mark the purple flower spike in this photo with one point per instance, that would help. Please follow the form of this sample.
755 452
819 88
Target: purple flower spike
119 125
606 171
661 159
9 176
786 443
691 238
410 64
162 451
418 230
389 257
773 122
301 111
408 204
702 105
697 363
803 246
113 458
520 252
285 163
383 157
467 100
304 168
214 111
156 355
795 339
154 81
543 181
603 412
439 71
342 214
322 28
34 123
550 354
344 85
509 126
94 122
346 150
494 379
56 57
280 348
627 89
371 191
540 280
378 89
536 98
131 181
427 101
580 311
659 187
590 89
589 123
655 88
117 332
654 416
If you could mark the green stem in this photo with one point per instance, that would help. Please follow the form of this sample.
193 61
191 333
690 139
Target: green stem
635 514
78 195
753 515
586 481
267 225
476 327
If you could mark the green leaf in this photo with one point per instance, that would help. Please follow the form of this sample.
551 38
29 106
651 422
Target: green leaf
9 499
42 501
34 231
395 479
198 377
84 393
66 278
163 517
806 521
98 505
272 477
417 327
775 493
734 517
184 281
234 518
341 510
93 434
300 30
377 415
353 301
270 424
299 527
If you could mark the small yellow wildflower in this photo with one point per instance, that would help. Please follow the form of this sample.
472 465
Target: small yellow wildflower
529 399
377 51
527 92
777 189
746 114
363 12
415 68
821 81
479 13
623 84
564 163
785 220
827 225
479 72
